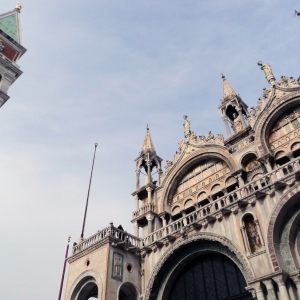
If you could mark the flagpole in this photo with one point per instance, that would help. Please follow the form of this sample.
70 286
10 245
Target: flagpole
64 269
88 195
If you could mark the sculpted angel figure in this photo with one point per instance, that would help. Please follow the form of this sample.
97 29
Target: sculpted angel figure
268 72
186 125
237 123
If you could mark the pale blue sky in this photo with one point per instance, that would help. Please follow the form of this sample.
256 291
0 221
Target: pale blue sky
99 71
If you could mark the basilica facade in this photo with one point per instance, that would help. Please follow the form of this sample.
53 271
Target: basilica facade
221 221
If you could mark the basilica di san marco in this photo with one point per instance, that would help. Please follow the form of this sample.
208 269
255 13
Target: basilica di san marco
221 221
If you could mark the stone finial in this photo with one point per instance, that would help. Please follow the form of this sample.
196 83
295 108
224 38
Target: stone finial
228 92
19 6
148 144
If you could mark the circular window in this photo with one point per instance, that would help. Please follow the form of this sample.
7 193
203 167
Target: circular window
87 262
129 268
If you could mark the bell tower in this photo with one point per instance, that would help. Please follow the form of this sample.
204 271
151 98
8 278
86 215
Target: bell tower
11 50
233 110
147 160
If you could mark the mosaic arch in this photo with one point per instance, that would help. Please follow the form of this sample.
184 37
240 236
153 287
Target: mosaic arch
198 172
283 228
266 128
172 263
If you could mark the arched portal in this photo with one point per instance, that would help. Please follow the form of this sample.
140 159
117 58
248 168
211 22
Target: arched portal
87 286
127 291
177 257
209 276
87 291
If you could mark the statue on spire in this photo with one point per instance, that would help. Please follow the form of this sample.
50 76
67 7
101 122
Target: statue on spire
186 125
268 72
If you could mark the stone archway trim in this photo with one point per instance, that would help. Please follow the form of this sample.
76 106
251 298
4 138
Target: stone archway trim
270 234
220 153
205 236
262 120
87 273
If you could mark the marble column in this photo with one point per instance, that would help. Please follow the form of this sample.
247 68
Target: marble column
136 197
184 219
270 289
136 228
282 287
296 280
259 292
149 190
242 117
245 237
225 119
150 223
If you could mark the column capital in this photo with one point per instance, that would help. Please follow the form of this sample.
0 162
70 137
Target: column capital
268 284
256 286
280 279
149 189
251 290
149 217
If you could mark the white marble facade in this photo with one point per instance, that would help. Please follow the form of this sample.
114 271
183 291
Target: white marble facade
236 199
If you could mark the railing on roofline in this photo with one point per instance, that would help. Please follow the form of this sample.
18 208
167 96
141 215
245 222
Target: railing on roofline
201 214
110 231
144 209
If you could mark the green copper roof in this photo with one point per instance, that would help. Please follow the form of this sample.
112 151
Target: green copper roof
9 24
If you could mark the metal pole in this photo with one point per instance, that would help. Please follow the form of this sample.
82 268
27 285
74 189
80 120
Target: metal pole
63 273
88 195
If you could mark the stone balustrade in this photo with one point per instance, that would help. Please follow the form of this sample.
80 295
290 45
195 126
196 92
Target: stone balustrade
224 205
119 237
200 217
144 209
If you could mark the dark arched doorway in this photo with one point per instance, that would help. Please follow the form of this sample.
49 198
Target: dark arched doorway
127 291
210 276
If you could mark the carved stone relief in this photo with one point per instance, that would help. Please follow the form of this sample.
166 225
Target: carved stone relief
117 266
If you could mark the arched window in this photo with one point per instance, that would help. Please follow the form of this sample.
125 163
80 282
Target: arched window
251 234
127 291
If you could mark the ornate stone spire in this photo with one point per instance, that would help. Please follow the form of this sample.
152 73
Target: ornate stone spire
228 92
148 144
